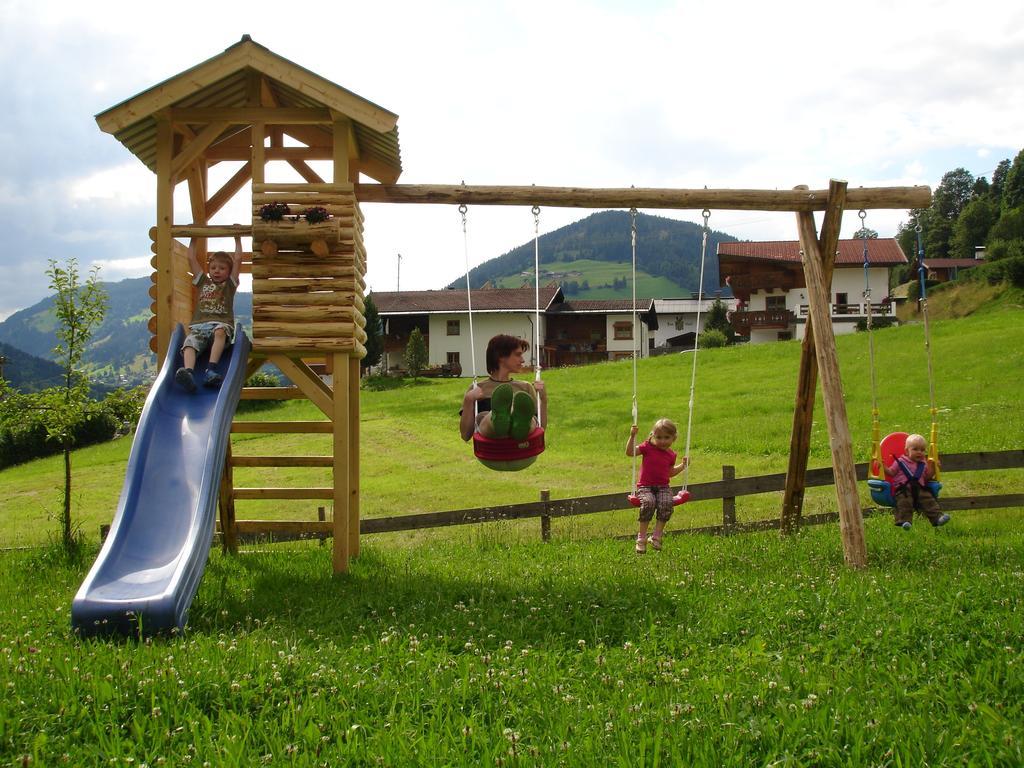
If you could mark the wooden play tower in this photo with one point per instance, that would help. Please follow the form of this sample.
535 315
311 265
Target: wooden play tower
250 105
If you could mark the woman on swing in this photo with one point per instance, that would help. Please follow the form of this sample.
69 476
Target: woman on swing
500 406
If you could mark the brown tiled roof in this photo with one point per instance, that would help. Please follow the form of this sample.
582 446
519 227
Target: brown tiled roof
948 263
604 305
882 251
484 300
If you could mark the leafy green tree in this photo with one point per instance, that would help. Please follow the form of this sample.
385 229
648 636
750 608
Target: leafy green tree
999 180
953 193
866 231
718 320
374 335
1010 225
1013 189
972 227
416 353
79 308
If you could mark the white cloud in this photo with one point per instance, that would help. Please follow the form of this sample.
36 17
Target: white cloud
128 184
724 94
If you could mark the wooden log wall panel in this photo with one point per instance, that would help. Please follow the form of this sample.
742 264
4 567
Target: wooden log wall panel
300 234
285 313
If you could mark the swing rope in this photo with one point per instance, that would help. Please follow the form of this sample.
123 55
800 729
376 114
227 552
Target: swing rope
876 429
632 230
469 295
693 373
933 443
536 316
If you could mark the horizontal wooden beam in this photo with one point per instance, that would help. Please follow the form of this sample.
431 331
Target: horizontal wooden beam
249 115
272 393
255 494
290 154
582 197
282 427
203 230
282 461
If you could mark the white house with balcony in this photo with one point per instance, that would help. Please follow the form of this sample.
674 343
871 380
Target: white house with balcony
571 333
767 279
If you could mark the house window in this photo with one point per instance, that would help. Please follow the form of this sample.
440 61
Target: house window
623 331
774 302
842 298
453 327
453 357
785 336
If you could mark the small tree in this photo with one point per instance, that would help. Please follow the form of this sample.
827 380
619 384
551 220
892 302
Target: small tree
416 353
80 308
374 335
718 320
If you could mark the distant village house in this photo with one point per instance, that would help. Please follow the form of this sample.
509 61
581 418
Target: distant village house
768 280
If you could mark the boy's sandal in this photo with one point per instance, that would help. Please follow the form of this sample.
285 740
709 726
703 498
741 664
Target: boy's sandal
641 546
501 409
656 543
523 411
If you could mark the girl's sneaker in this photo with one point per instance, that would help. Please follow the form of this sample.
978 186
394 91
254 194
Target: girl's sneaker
943 519
656 543
641 545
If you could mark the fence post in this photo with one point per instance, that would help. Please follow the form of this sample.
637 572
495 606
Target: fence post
321 515
545 518
728 502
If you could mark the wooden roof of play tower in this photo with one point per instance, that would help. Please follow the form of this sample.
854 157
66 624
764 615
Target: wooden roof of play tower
258 86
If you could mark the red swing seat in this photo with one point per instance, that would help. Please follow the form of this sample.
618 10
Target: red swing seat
681 497
507 449
893 446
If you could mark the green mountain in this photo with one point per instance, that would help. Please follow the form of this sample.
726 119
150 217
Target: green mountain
119 352
597 251
26 372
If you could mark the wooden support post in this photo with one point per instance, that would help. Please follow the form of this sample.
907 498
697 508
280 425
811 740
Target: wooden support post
807 379
341 491
353 456
164 253
321 516
228 532
851 521
545 518
259 153
728 502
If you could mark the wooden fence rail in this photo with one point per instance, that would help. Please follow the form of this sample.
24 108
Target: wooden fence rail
727 489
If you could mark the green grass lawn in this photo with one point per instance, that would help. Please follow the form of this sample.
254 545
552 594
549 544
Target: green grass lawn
413 461
748 650
482 646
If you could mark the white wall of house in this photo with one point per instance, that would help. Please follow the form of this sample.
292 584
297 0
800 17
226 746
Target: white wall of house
845 280
485 325
618 347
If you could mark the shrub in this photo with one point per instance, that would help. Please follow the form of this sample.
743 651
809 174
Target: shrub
876 322
712 338
260 379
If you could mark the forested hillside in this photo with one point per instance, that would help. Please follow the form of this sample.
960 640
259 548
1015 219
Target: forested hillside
666 248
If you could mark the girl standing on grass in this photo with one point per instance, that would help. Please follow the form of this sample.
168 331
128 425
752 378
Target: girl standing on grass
656 467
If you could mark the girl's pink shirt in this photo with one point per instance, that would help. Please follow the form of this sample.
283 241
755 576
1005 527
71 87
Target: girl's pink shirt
657 464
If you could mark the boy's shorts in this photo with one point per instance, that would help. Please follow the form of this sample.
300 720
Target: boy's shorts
200 335
655 499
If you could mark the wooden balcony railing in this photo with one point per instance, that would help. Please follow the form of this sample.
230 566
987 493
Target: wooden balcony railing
879 309
765 319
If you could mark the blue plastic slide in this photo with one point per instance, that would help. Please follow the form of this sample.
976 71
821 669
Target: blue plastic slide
150 566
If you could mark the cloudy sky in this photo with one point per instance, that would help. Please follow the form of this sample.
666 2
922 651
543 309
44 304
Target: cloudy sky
586 93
